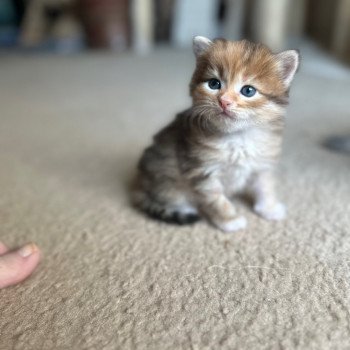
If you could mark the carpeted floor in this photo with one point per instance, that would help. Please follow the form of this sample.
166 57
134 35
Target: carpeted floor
71 131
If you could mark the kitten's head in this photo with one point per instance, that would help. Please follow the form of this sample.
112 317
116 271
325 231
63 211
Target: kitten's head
238 84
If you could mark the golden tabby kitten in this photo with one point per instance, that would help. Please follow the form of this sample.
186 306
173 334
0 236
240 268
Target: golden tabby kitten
227 143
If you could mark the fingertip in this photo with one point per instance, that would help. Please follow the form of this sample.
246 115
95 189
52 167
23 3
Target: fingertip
3 248
18 265
28 250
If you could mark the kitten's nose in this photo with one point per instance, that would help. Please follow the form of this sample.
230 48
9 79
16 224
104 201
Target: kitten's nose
224 104
225 101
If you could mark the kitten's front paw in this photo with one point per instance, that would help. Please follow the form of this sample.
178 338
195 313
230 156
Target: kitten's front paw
274 212
233 225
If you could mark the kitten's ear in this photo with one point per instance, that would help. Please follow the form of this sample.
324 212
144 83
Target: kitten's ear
288 62
200 45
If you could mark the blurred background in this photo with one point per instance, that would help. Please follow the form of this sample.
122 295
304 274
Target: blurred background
68 26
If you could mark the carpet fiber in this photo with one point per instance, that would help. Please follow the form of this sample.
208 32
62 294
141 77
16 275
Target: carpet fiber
71 132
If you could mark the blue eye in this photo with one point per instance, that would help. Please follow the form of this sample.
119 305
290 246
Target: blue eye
248 91
214 84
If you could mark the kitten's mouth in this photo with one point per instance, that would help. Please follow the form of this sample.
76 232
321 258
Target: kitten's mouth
228 114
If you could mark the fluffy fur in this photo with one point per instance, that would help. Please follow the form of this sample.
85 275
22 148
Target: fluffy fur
226 143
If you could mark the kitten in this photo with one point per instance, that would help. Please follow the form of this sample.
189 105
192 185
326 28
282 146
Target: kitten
227 143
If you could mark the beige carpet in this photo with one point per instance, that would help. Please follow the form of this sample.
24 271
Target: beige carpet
71 131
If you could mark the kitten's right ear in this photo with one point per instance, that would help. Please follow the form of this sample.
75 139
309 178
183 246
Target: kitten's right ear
288 63
200 45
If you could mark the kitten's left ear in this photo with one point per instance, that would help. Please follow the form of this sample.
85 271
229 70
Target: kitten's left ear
288 62
200 45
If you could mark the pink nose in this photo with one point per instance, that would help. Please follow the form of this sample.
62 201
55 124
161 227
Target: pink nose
225 102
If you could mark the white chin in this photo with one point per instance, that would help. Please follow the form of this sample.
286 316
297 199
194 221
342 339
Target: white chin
229 114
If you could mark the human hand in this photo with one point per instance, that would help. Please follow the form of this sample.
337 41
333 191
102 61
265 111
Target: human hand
17 265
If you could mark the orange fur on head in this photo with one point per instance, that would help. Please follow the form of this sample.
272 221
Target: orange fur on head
237 64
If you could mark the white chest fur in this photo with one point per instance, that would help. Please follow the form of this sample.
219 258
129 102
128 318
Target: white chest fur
242 154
